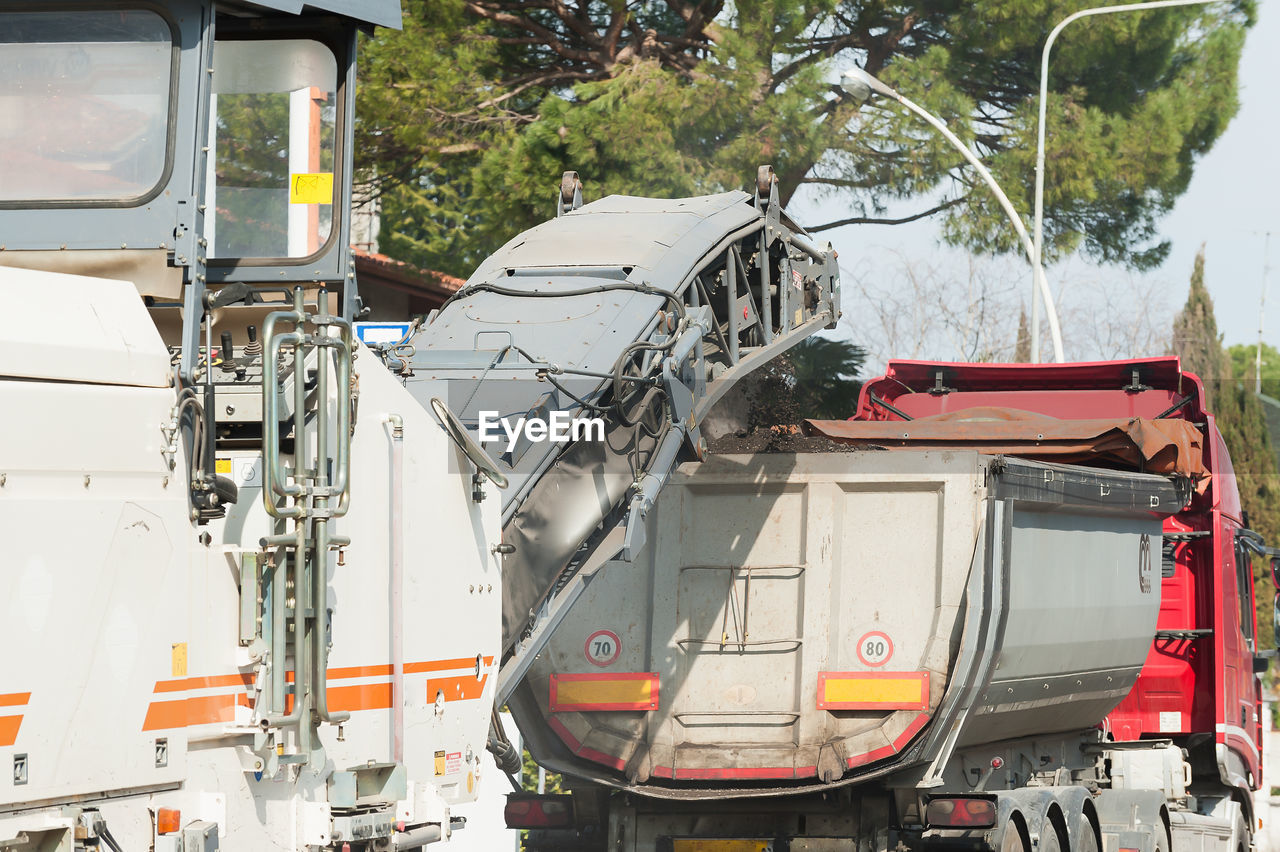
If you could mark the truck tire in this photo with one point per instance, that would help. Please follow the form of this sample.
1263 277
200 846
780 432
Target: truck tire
1086 840
1050 840
1012 839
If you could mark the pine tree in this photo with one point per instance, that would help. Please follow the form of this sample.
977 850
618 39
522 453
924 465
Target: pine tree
1240 419
1022 349
1196 340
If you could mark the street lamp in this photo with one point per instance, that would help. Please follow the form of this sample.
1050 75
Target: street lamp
1037 267
859 85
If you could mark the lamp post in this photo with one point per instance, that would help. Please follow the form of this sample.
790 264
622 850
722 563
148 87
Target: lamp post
859 85
1039 285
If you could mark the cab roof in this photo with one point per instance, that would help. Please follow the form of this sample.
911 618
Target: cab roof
379 13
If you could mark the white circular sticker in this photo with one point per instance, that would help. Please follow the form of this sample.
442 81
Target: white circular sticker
603 647
875 648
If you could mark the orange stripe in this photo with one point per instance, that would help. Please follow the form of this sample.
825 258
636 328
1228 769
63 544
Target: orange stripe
14 699
456 688
359 671
207 709
203 710
443 665
9 729
372 696
242 679
246 679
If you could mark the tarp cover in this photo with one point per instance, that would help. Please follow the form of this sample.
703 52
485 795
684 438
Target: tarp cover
1154 446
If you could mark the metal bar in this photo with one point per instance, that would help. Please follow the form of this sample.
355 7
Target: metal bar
731 285
802 242
887 407
746 285
611 272
279 636
766 320
416 838
395 585
342 466
784 292
320 559
715 326
796 643
272 466
792 714
300 470
278 718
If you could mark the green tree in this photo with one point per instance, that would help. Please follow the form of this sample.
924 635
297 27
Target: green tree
1240 418
469 115
1195 337
1243 360
825 377
554 782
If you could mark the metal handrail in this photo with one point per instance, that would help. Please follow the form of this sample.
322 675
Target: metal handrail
310 492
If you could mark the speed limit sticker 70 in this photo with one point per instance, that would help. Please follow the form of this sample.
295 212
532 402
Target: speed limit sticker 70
603 647
875 648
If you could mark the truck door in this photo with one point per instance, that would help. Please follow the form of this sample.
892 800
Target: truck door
1240 687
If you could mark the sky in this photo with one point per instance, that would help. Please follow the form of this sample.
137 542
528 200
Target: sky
1234 197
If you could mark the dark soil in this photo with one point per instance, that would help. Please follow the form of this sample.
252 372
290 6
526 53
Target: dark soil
779 441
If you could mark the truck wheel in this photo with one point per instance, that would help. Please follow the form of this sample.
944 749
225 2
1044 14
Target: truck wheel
1012 840
1086 841
1050 841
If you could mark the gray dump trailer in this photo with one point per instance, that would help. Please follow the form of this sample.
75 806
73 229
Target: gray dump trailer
815 646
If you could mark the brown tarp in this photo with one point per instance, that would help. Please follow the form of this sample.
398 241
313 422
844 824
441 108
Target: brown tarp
1135 443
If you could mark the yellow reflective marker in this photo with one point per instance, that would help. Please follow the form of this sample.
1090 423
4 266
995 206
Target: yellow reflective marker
720 845
612 691
311 188
873 690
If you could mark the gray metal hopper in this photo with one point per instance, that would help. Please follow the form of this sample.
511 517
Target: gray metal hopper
786 603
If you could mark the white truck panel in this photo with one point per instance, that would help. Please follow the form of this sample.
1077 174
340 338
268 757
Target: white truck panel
99 332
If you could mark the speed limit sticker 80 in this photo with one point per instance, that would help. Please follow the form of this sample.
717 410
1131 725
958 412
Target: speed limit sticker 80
875 648
603 647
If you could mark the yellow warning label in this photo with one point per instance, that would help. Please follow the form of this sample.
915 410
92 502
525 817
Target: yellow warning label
311 188
222 467
439 763
179 653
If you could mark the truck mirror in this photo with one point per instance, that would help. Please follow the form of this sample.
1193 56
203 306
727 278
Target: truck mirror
1275 616
1275 570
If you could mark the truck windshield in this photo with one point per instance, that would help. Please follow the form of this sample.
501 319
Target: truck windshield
84 105
274 115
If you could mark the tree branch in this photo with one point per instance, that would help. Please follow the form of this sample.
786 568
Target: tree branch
869 220
548 37
538 80
824 51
